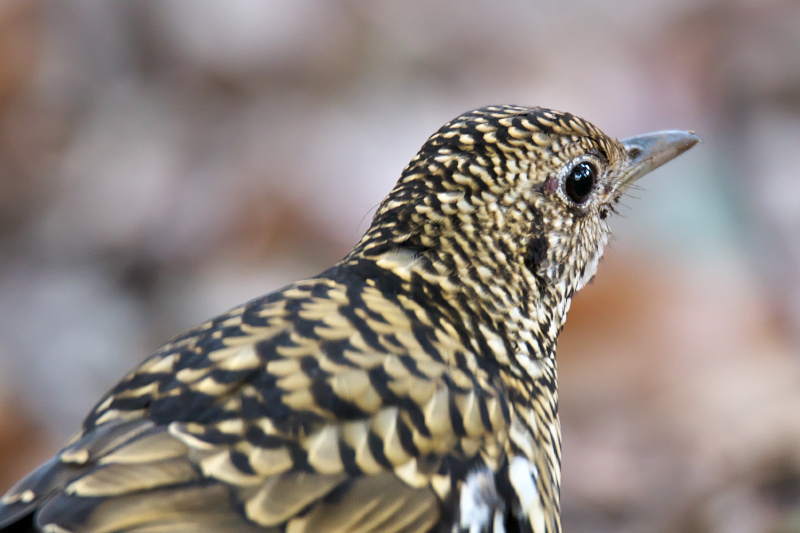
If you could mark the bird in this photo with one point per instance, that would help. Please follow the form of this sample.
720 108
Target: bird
412 387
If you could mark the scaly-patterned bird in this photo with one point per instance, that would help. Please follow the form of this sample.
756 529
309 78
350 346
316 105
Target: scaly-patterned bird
410 388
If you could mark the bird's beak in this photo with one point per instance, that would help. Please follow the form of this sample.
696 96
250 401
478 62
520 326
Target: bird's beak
649 151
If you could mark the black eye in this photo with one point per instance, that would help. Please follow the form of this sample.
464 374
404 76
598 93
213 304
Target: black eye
580 182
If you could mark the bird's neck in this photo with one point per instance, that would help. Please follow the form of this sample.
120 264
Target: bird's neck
515 317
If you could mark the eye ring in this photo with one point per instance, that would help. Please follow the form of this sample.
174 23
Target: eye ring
578 183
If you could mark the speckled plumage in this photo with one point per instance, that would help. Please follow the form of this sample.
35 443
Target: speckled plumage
409 388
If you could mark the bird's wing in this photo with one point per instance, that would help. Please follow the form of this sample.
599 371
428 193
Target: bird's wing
150 481
319 408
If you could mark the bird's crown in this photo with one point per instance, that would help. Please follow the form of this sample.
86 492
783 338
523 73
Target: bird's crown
503 188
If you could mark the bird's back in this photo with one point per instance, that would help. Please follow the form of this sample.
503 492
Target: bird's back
336 404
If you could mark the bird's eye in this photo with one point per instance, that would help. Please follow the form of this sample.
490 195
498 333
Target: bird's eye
580 181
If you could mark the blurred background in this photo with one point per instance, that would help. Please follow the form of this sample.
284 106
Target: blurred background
162 161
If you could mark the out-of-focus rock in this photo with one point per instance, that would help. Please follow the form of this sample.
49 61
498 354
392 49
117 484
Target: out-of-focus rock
69 334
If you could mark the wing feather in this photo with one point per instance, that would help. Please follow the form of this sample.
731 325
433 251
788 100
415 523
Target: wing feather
292 413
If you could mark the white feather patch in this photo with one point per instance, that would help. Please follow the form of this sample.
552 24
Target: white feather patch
480 505
591 267
522 476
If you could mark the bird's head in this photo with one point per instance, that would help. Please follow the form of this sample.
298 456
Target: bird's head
514 191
